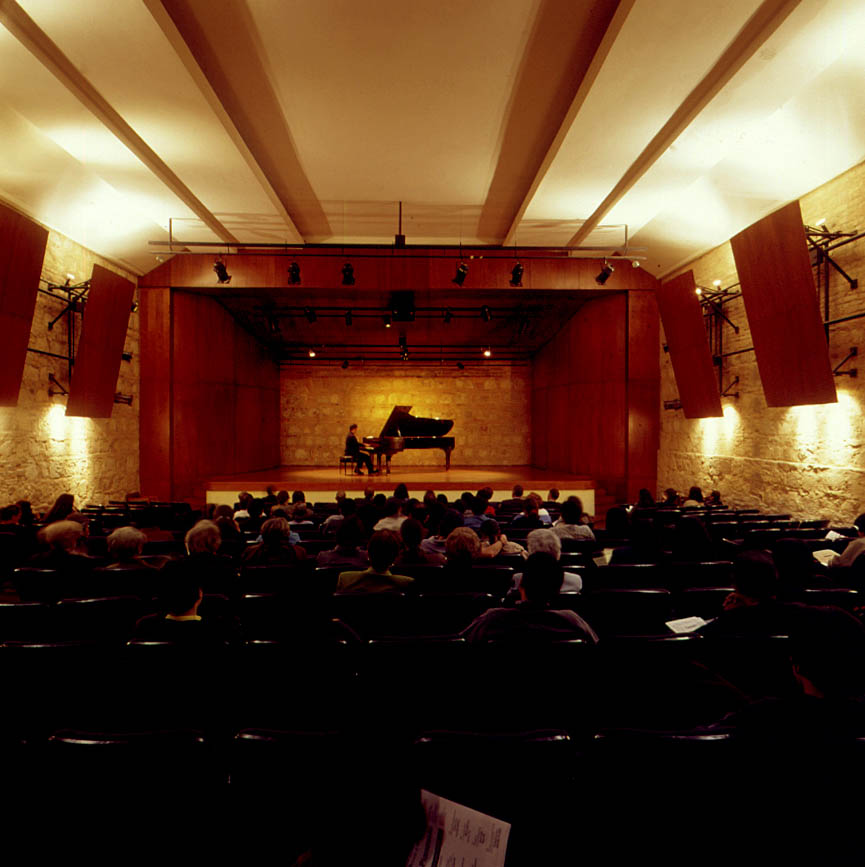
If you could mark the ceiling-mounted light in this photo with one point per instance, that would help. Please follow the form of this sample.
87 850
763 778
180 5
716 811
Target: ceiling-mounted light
293 274
348 274
635 263
344 365
604 274
699 291
486 313
448 316
386 320
461 274
517 275
488 352
312 353
820 222
348 319
460 366
310 314
222 274
134 307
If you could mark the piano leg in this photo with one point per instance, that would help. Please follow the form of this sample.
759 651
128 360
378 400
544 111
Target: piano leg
447 458
387 463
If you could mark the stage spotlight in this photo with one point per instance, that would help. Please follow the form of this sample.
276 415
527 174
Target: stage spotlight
699 291
386 320
312 353
344 365
348 274
126 356
460 366
448 316
222 274
134 307
488 352
517 275
310 314
486 313
293 274
461 274
348 319
605 273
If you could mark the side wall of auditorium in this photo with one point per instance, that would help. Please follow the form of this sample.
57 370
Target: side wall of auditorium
42 452
806 460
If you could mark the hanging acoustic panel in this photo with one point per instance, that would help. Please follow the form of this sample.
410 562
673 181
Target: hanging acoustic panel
100 348
783 313
22 250
688 344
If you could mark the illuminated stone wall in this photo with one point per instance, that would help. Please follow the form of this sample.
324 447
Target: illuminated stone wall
43 453
489 406
804 460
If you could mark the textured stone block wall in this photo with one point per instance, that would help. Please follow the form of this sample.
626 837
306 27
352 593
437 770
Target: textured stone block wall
43 453
805 460
489 406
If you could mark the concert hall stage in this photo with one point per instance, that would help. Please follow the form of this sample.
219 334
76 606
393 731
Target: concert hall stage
322 483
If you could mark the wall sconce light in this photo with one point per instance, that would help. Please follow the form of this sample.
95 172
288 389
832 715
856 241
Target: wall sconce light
134 307
123 398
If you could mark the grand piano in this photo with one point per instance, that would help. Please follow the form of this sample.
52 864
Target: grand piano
403 431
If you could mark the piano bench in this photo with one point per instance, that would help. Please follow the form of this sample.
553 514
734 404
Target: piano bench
345 462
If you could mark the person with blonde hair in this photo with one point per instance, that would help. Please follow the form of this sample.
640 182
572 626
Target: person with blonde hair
203 564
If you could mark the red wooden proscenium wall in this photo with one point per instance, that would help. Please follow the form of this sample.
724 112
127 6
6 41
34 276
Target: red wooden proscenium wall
209 396
22 249
595 395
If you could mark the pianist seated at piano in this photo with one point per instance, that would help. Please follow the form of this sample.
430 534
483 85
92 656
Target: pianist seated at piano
354 449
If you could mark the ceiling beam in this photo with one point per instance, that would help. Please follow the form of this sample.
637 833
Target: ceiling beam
221 48
759 27
37 42
564 53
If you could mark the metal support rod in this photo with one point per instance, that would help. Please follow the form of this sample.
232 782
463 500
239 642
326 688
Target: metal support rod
50 354
726 392
854 351
723 316
854 283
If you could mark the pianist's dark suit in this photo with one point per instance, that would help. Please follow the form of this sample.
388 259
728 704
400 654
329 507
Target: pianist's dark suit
352 447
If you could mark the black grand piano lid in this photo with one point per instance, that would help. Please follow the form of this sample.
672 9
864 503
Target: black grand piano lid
401 423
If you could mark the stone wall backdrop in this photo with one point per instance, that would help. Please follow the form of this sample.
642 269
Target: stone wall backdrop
806 460
489 406
42 452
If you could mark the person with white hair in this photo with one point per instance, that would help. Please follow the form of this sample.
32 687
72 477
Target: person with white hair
125 545
59 541
548 542
204 565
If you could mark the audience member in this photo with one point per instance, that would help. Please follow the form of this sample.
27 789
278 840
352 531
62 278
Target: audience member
233 541
125 545
553 496
204 565
543 514
547 542
671 499
347 508
643 546
692 542
713 501
462 548
19 541
533 618
347 552
275 546
854 548
270 498
645 500
529 518
61 540
63 506
241 507
473 511
301 514
27 518
797 567
694 500
383 549
393 516
484 495
570 524
411 533
401 492
516 500
494 543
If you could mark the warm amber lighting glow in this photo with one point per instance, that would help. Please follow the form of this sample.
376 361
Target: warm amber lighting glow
720 432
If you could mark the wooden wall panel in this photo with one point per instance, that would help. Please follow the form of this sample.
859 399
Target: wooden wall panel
22 250
100 347
688 342
783 313
644 397
154 426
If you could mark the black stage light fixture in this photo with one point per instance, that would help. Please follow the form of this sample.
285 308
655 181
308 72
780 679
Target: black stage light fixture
348 274
461 274
517 275
386 320
348 318
126 356
486 313
402 306
344 365
460 366
134 307
294 274
309 313
604 274
222 274
448 316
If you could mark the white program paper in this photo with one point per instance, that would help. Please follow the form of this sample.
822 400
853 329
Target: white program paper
686 624
832 536
825 556
457 836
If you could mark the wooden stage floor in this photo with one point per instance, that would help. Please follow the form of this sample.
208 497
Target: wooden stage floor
324 482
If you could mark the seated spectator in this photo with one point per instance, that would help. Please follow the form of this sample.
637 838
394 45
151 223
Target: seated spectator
797 567
553 496
473 511
181 598
60 541
19 541
63 507
516 500
27 518
533 618
494 543
542 512
437 543
642 548
241 507
462 548
251 519
301 514
203 564
645 500
383 549
692 542
713 501
401 492
347 508
125 545
484 495
694 500
233 542
393 516
529 517
570 524
854 548
270 498
347 552
671 500
275 547
411 533
443 500
547 542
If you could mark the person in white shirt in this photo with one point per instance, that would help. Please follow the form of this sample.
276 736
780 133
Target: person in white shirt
393 516
569 525
548 542
854 547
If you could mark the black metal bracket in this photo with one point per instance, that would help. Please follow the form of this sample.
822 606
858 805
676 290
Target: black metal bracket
821 239
673 404
61 389
76 298
727 393
853 372
123 398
